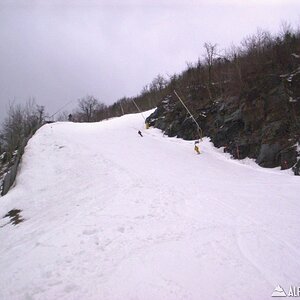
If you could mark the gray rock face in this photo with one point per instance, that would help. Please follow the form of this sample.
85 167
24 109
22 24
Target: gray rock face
296 168
262 122
268 155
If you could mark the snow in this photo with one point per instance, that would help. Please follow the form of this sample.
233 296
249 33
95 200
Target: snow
291 99
111 215
2 156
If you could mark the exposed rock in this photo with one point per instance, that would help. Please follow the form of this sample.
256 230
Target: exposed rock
296 168
269 155
261 122
288 157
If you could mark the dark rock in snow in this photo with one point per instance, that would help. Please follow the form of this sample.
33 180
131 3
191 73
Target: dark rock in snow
296 168
288 157
269 155
261 122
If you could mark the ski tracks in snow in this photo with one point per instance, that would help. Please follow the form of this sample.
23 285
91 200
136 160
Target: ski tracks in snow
114 216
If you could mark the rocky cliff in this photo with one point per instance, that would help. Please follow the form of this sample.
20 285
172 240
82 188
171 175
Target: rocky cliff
260 121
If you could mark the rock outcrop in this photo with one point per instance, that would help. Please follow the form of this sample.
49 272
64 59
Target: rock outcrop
260 122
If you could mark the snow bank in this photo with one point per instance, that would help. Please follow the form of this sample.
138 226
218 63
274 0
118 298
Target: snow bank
111 215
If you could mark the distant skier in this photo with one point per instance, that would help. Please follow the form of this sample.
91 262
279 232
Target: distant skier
139 132
196 148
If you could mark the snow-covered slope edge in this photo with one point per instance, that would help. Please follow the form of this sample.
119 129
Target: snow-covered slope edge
111 215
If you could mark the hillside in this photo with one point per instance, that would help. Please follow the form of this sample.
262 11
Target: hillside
110 215
247 101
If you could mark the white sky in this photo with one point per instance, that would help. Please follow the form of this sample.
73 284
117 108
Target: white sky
58 51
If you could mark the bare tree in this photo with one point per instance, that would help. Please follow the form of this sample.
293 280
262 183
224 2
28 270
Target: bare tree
12 128
40 109
211 52
20 123
87 108
62 116
101 112
286 29
158 83
235 57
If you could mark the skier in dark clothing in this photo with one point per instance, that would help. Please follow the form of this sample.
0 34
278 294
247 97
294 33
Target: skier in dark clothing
139 132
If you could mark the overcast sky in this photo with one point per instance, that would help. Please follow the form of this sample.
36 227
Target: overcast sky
60 50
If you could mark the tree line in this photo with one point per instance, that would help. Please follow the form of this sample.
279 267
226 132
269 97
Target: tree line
21 122
217 74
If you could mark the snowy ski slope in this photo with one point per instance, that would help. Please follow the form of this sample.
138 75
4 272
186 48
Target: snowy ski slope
110 215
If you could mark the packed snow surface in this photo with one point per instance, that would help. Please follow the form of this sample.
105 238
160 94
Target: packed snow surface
110 215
